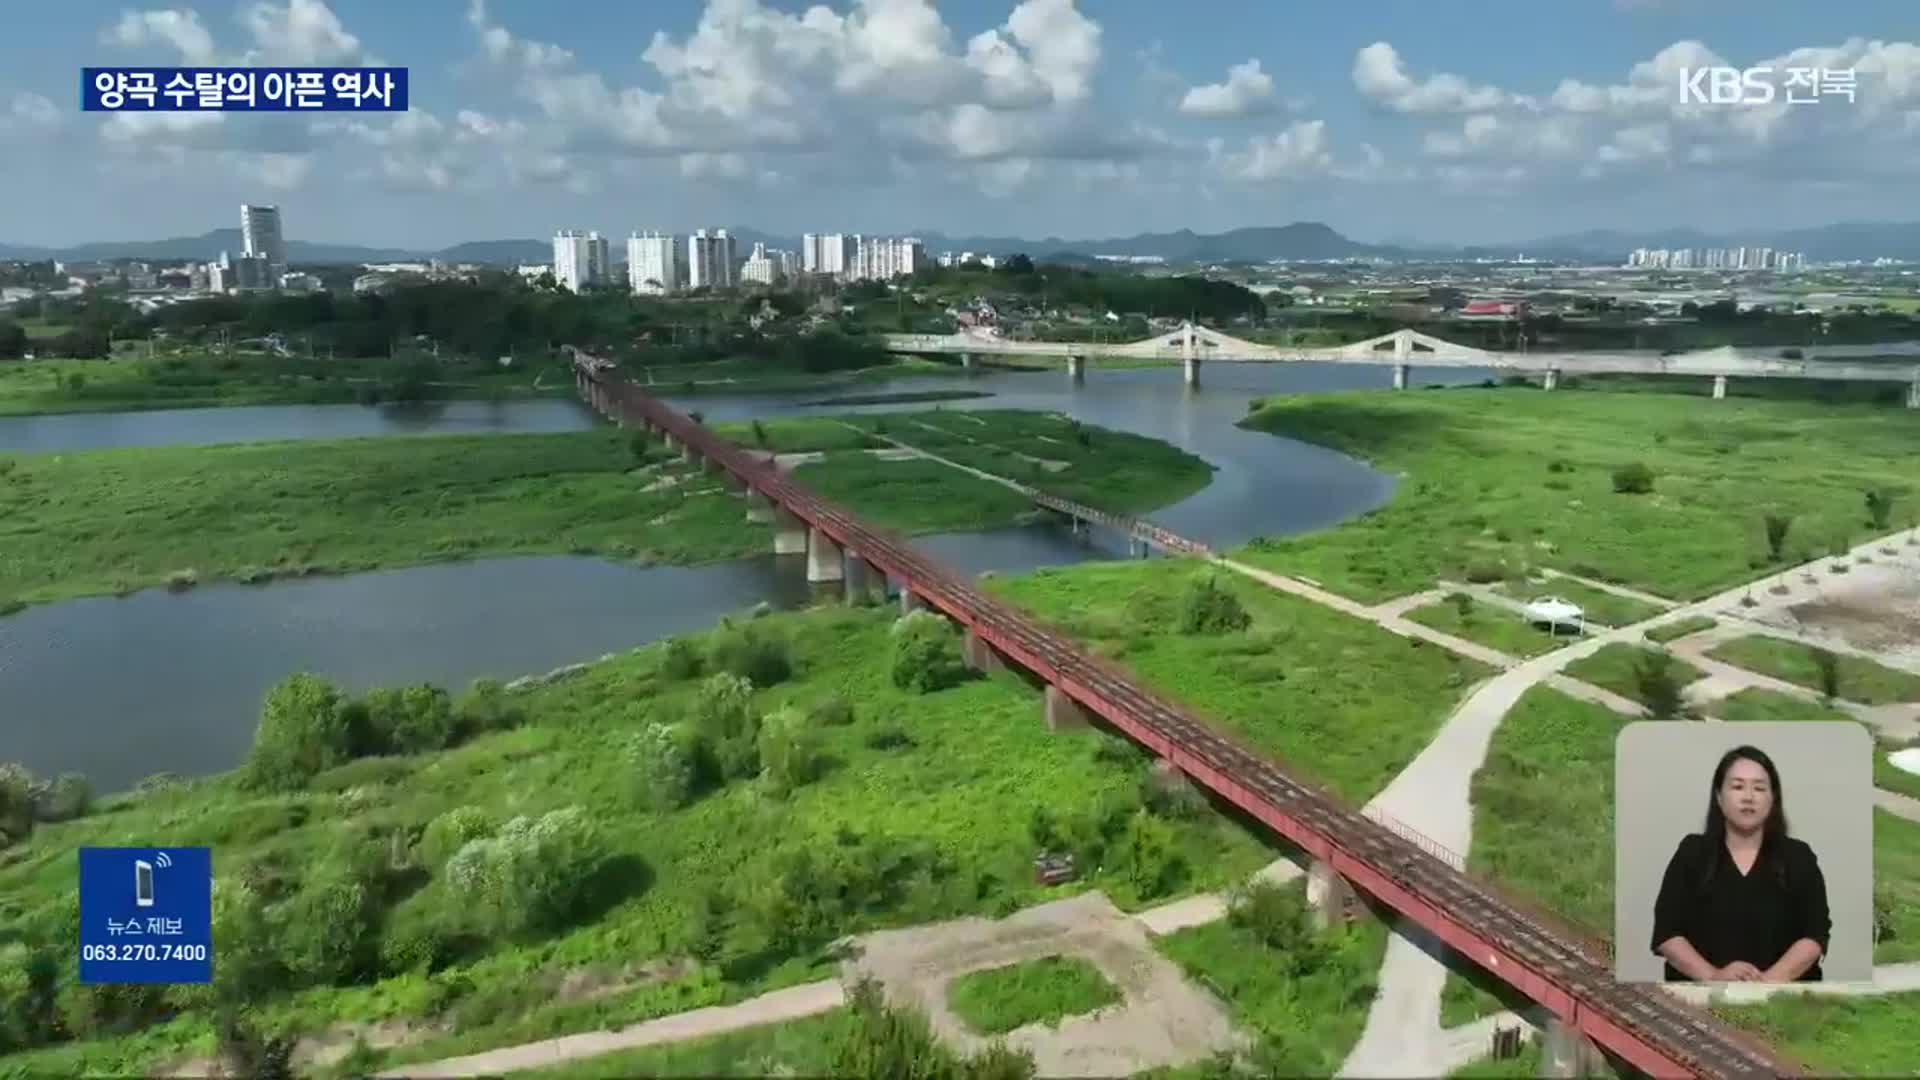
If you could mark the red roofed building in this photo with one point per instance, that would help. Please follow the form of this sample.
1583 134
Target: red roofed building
1494 309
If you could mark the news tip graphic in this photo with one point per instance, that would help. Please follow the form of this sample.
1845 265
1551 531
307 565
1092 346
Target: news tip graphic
146 915
204 89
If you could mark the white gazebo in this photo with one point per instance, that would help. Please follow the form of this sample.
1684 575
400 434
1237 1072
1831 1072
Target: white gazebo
1556 612
1907 760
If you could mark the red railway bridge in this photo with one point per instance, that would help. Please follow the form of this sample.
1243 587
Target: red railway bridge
1565 971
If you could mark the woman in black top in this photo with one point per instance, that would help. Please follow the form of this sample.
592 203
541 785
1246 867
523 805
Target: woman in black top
1741 900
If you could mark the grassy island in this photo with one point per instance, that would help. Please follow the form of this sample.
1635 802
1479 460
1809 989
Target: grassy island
1495 482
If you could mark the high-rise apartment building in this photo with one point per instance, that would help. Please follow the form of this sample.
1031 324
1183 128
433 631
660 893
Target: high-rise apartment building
710 260
885 258
580 259
765 267
653 263
828 253
260 236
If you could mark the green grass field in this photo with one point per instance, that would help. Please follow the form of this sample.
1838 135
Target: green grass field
1042 991
1866 1036
1613 667
1765 705
1679 628
1860 680
956 776
1485 624
1344 702
112 521
1499 481
200 380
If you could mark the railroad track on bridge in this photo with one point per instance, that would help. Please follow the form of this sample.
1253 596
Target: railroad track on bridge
1564 969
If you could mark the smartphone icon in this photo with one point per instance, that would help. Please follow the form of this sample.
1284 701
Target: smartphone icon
142 883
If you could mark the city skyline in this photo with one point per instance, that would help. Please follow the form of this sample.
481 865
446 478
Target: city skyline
1488 123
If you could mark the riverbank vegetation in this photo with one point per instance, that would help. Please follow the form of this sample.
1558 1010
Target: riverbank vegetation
1346 703
652 834
113 521
1497 482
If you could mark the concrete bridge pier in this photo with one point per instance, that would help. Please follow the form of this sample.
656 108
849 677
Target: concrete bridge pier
1400 372
865 582
1077 368
825 561
1192 365
672 443
1330 895
910 601
1553 378
1913 395
1719 388
980 656
759 507
1062 712
789 533
966 361
689 455
1138 548
1566 1052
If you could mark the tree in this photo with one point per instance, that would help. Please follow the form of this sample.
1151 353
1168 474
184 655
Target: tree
926 653
1828 665
1777 526
13 340
409 720
534 875
1633 479
19 801
1658 685
303 731
68 797
754 653
888 1043
445 835
487 706
330 931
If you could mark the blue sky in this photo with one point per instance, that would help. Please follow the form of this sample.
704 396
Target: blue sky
1443 120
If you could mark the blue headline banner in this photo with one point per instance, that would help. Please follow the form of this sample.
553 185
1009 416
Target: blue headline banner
280 89
146 915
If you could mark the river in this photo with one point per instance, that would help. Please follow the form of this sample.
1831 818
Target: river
120 688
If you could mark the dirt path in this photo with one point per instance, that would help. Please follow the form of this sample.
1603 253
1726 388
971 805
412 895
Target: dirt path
789 1004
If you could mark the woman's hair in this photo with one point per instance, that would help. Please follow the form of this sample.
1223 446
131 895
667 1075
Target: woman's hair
1772 831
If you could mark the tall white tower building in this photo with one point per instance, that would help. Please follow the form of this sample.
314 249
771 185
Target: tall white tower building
653 263
580 259
260 236
828 253
710 260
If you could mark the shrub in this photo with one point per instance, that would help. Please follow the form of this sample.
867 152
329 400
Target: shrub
1209 609
447 834
303 730
835 711
754 653
663 767
1880 508
535 875
68 797
409 720
1461 602
1154 867
486 706
727 728
1486 573
926 653
890 738
1278 917
789 753
1633 479
1828 665
19 802
884 1040
330 929
682 661
420 942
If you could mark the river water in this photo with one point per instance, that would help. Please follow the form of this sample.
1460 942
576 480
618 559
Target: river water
120 688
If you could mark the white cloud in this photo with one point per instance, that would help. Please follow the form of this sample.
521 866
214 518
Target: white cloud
1247 90
179 29
1380 76
302 32
27 114
1298 152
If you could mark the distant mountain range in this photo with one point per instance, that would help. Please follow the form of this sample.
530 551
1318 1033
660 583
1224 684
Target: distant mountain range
1301 240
